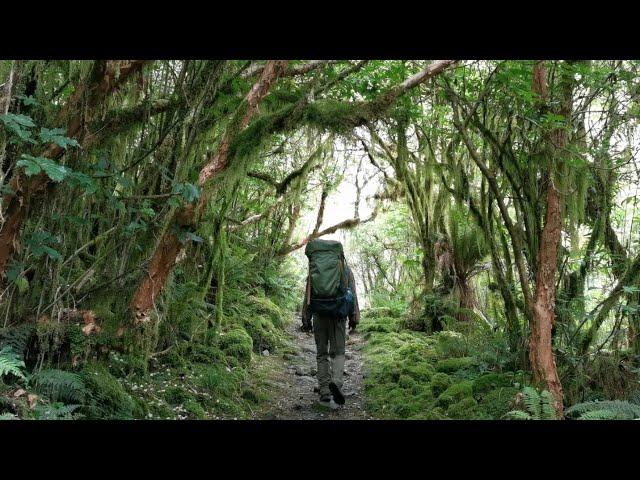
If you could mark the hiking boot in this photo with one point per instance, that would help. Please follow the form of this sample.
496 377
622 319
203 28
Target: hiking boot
325 402
338 397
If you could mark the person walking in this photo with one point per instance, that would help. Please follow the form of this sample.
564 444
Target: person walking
330 301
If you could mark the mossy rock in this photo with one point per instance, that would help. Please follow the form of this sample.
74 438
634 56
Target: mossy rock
439 383
264 334
490 381
266 307
422 372
238 344
455 393
107 397
451 344
451 365
466 409
496 403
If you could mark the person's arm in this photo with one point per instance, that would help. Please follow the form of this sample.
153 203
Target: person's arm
306 311
354 317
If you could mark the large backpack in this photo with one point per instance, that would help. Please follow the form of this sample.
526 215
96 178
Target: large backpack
329 290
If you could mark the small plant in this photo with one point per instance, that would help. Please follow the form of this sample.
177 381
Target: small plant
534 406
10 363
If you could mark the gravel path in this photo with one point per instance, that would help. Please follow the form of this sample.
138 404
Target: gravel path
294 385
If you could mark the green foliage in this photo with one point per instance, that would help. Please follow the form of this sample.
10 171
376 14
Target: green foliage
237 343
535 406
11 364
497 403
59 385
106 396
604 410
451 365
57 411
36 165
491 381
455 393
440 382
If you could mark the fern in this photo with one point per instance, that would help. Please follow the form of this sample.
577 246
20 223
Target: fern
10 363
56 411
599 415
518 415
16 337
8 416
59 385
538 406
616 410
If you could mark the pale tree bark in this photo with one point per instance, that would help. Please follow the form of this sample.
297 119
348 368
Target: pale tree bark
169 246
105 78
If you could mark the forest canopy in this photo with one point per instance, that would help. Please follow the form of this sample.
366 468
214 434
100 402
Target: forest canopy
154 216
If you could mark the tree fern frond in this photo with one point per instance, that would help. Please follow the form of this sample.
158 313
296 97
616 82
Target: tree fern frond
8 416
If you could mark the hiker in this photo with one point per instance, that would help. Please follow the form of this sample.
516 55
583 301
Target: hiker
330 298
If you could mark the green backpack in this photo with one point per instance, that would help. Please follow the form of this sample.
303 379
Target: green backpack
330 292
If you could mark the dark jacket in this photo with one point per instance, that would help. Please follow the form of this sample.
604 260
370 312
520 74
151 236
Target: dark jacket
354 318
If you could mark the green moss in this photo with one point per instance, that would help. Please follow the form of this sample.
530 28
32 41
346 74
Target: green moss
238 344
451 365
107 397
455 393
491 381
466 409
265 306
439 383
451 344
496 402
195 410
177 396
263 333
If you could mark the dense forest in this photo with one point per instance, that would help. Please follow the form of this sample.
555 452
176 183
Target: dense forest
154 217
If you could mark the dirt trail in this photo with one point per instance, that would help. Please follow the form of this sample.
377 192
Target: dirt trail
293 382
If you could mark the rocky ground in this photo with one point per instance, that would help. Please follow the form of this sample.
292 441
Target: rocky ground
293 386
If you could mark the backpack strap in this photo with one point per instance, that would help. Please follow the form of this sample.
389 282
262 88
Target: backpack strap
308 288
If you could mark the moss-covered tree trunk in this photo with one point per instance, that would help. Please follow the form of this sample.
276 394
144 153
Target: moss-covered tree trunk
169 246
